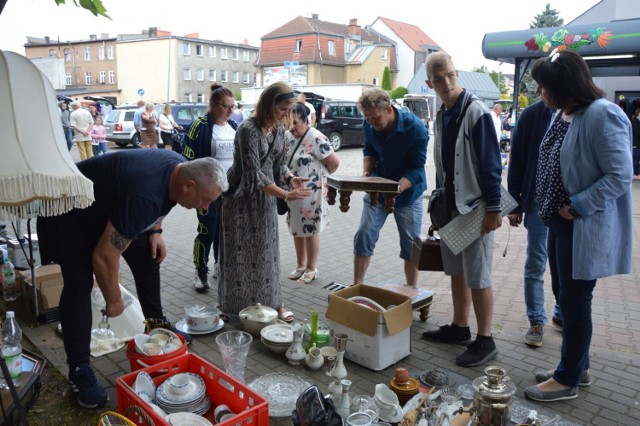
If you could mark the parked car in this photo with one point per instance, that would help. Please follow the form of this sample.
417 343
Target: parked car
419 106
341 122
119 126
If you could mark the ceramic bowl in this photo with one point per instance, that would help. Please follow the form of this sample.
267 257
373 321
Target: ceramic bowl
202 317
140 340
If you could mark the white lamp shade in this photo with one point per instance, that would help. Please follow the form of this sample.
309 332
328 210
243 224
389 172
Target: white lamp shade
37 173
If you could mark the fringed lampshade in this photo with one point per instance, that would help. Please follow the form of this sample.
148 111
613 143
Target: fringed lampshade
37 174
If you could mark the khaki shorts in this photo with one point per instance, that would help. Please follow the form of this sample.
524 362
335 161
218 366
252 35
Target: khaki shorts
474 262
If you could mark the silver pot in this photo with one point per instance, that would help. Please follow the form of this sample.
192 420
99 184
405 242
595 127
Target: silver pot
492 398
255 318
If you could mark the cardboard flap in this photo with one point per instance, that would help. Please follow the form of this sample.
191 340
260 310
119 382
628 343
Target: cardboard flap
365 320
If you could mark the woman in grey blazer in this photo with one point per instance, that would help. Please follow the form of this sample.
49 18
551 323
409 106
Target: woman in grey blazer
583 184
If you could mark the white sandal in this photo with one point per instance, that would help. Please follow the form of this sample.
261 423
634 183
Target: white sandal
308 276
296 273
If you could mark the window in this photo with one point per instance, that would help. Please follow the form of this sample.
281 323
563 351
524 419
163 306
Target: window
52 52
376 81
201 97
186 74
298 46
223 53
245 55
68 77
87 78
255 56
385 52
223 76
101 53
109 52
87 53
200 74
347 48
235 77
212 51
103 77
186 49
332 47
234 54
245 77
199 50
188 97
212 75
112 77
67 55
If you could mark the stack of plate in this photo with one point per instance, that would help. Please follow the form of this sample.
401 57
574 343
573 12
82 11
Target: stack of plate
183 392
277 337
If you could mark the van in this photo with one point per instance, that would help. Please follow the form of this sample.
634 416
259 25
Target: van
341 122
419 106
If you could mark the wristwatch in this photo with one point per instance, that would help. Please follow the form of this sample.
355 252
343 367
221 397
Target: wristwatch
573 212
155 231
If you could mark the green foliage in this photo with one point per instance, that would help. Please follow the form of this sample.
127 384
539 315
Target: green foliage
93 6
398 92
386 79
547 19
523 101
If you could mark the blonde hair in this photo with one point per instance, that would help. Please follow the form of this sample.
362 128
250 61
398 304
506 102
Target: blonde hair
436 61
374 98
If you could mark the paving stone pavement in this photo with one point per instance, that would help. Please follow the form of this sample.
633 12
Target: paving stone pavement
612 399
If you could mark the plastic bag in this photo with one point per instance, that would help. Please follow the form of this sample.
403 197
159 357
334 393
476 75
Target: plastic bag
312 409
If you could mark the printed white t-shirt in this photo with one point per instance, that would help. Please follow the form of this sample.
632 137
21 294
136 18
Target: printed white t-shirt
222 144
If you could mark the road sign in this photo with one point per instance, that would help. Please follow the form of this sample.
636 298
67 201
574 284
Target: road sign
291 63
140 92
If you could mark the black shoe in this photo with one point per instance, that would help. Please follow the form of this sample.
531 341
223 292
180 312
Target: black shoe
201 281
478 352
88 391
449 334
556 322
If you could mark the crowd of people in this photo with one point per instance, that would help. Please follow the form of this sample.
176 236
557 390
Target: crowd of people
233 168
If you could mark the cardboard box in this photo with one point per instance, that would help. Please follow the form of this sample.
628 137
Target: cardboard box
376 339
49 285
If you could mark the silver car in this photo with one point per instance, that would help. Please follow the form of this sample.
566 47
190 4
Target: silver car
119 127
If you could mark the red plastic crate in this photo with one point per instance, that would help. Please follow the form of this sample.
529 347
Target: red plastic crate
251 408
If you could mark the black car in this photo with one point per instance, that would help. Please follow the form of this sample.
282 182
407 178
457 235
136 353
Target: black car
341 122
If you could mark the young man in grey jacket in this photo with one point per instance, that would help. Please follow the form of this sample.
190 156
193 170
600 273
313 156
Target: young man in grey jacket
468 166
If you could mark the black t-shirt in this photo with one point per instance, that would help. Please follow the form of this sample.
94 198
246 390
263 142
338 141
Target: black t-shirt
131 188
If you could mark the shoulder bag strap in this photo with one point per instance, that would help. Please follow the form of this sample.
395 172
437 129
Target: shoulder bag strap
296 148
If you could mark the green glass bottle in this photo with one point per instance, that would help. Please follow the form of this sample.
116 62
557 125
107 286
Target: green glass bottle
314 330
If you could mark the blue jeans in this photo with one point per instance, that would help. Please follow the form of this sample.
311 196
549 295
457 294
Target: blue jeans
575 298
636 161
534 267
408 220
208 234
68 135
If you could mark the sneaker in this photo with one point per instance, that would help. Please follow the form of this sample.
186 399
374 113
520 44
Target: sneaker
85 386
201 281
478 352
215 270
533 337
556 322
585 377
449 334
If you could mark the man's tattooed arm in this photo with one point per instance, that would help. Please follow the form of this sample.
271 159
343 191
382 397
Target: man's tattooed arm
119 241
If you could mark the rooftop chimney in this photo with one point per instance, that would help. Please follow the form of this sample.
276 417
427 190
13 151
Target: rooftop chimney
353 28
314 16
153 32
47 40
93 37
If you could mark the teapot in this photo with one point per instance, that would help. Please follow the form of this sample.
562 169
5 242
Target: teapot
255 318
492 398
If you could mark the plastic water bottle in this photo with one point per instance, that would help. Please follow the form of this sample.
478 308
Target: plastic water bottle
9 290
12 345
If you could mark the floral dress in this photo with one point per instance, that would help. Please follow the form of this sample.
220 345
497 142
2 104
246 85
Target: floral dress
309 215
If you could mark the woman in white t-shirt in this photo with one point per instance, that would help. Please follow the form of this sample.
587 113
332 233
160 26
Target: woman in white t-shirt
167 125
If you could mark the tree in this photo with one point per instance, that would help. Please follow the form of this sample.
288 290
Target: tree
398 92
547 19
93 6
386 79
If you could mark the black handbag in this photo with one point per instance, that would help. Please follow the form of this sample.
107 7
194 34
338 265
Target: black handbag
439 212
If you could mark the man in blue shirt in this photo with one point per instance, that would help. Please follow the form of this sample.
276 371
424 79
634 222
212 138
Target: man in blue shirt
395 147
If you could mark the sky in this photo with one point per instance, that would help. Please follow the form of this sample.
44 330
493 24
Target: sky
458 26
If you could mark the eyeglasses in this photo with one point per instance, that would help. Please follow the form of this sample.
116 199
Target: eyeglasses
555 53
227 107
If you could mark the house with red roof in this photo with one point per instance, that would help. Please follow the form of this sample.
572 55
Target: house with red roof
412 46
308 51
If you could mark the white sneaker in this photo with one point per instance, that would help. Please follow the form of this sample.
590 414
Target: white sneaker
201 283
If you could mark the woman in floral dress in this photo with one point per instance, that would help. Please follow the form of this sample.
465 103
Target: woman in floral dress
309 155
250 251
